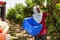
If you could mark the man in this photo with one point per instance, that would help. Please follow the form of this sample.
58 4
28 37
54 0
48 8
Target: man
40 18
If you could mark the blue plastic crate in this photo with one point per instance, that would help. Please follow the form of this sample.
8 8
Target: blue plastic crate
31 26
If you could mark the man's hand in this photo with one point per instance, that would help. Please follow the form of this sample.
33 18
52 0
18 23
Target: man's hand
48 14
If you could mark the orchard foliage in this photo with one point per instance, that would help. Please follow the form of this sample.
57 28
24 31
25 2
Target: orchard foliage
19 12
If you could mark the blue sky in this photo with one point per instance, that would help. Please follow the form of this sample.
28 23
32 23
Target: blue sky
11 3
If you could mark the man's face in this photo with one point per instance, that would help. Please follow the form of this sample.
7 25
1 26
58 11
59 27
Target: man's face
38 10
